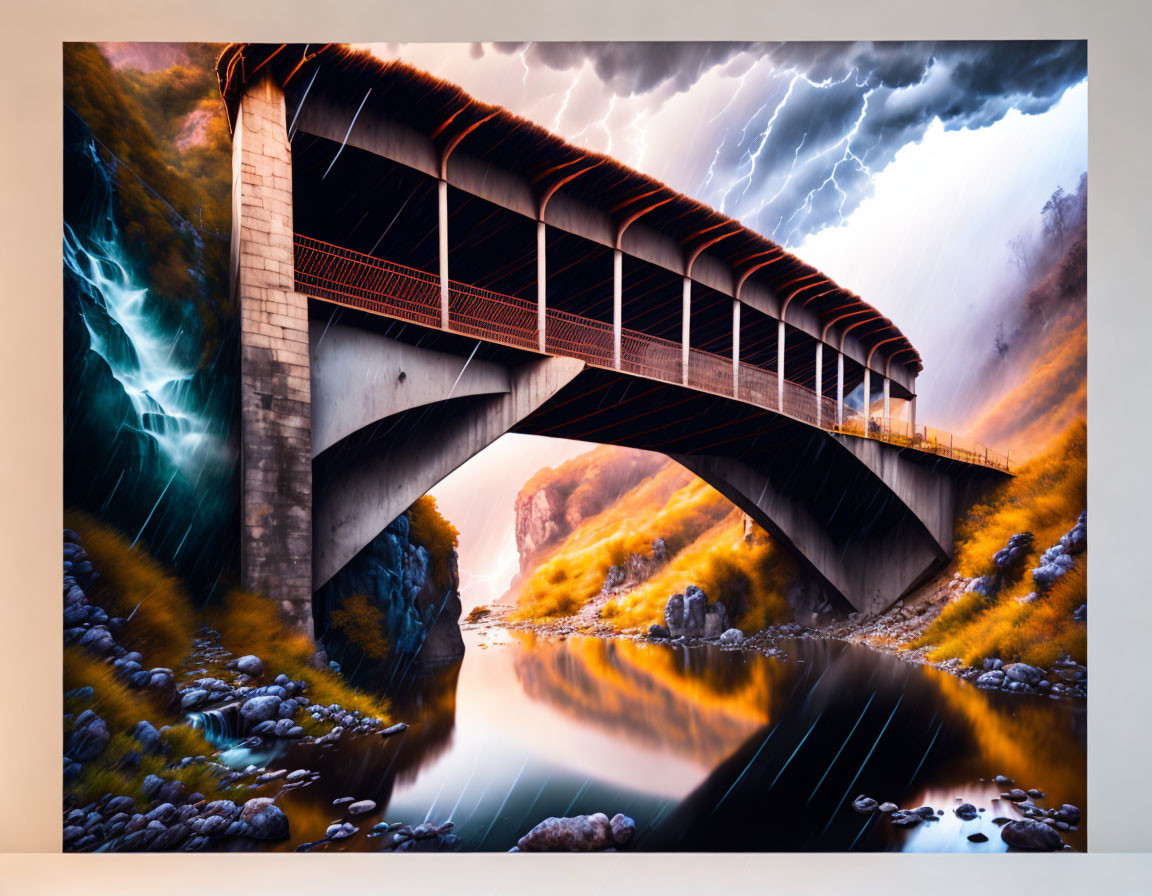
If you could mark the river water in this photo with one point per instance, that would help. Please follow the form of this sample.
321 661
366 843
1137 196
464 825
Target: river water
707 749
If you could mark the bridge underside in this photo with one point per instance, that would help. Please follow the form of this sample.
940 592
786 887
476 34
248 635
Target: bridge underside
871 521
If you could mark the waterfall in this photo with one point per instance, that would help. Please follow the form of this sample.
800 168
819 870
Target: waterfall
147 413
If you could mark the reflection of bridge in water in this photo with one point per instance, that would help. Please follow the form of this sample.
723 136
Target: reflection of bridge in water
587 301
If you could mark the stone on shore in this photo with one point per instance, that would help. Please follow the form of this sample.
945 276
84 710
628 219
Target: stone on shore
265 819
583 833
1031 835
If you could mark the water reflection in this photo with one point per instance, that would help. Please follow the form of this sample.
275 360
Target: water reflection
706 749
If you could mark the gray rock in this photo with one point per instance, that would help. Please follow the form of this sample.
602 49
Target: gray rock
1068 813
340 830
172 792
394 729
732 637
674 615
966 811
658 631
695 612
260 709
148 737
1031 835
887 808
264 819
250 665
1015 795
361 807
1023 673
906 819
583 833
715 619
865 804
978 838
89 737
623 829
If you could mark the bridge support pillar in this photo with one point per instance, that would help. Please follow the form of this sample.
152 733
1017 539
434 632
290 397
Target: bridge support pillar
275 382
780 366
840 388
736 348
867 394
617 304
912 411
685 329
442 230
819 382
887 398
541 283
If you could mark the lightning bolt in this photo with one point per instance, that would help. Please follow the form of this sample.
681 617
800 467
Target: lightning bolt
567 97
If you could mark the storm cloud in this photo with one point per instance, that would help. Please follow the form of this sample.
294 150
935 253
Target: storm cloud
811 124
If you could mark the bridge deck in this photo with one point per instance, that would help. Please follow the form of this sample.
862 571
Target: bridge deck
345 277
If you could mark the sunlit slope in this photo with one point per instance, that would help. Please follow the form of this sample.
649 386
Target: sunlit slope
705 538
1044 498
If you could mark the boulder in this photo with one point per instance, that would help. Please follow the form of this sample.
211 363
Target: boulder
1031 835
966 811
695 612
732 637
715 620
674 615
264 819
658 631
361 807
584 833
1023 673
865 804
260 709
250 665
623 829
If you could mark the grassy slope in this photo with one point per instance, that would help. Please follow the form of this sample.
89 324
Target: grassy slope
1044 498
703 532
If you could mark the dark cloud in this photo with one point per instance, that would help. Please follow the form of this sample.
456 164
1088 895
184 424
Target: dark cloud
804 140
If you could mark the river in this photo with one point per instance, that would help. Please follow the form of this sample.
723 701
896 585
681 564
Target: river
707 749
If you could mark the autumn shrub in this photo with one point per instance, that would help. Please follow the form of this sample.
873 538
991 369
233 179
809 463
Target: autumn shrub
363 625
428 527
478 612
136 587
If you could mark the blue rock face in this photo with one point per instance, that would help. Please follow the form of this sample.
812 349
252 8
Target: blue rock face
395 575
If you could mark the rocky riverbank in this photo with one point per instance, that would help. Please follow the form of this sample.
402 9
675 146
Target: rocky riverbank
169 798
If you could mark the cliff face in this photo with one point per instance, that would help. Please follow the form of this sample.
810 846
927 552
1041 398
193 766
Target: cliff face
398 600
554 502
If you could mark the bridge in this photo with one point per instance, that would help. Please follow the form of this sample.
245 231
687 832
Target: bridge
418 273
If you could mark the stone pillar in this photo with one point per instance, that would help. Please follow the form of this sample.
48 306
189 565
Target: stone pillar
819 383
685 329
442 228
887 398
867 394
541 282
840 388
275 390
780 366
617 304
912 406
736 348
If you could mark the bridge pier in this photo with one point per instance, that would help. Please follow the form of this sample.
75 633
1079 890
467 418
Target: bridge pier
617 304
819 382
442 230
275 379
780 366
840 388
685 329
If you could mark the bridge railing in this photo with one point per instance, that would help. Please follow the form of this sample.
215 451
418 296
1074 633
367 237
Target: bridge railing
383 287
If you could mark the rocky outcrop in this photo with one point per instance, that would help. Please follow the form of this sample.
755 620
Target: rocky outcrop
1008 564
636 569
689 615
555 501
1058 559
418 616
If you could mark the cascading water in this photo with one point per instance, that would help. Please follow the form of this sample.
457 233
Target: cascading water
148 411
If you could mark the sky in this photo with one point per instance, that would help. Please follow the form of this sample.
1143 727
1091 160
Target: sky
901 170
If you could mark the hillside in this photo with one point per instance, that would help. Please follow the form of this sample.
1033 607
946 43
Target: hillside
620 559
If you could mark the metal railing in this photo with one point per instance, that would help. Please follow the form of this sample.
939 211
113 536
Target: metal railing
350 278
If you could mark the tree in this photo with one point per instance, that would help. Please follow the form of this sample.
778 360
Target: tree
1057 213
